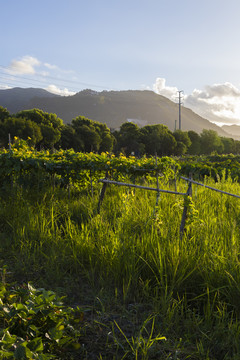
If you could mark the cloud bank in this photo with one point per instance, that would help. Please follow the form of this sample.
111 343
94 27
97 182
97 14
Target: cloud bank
36 73
160 88
56 90
219 103
26 65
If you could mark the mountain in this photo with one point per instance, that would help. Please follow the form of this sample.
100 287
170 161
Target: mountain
233 130
17 99
110 107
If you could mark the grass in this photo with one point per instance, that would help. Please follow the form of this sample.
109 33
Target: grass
137 279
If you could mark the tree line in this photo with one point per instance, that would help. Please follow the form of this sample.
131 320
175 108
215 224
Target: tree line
47 131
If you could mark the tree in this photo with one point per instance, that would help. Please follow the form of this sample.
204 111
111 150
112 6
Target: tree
107 142
4 113
158 139
107 139
67 137
183 142
182 136
20 127
128 139
50 136
49 124
237 146
210 141
87 134
180 149
195 147
40 117
229 146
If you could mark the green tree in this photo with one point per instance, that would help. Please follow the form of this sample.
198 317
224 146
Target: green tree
91 135
67 137
237 146
86 134
49 124
195 147
4 113
20 127
50 136
210 141
183 142
129 139
41 117
158 139
229 146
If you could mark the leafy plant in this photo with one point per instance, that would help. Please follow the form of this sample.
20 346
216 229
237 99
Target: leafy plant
36 325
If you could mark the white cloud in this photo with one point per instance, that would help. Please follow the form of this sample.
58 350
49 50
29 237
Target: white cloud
55 90
50 66
169 91
57 69
4 87
219 103
26 65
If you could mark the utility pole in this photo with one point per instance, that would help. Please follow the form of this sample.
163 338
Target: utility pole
179 106
175 127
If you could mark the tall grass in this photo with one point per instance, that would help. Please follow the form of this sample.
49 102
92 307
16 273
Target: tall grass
132 251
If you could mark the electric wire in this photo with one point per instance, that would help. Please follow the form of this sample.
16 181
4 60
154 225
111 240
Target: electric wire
4 71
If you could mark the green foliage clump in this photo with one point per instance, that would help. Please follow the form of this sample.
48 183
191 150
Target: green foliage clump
35 324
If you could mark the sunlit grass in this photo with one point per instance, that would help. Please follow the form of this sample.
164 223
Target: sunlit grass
132 250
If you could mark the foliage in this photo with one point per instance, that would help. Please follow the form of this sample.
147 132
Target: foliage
210 141
35 324
128 262
4 113
47 131
195 146
90 135
215 166
183 142
50 126
158 139
129 139
71 167
21 128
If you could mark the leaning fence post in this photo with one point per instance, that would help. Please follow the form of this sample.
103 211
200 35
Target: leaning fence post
185 209
158 193
101 197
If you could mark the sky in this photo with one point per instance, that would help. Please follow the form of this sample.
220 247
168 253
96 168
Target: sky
65 46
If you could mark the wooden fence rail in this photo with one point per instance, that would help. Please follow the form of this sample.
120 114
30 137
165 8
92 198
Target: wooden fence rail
209 187
139 186
188 193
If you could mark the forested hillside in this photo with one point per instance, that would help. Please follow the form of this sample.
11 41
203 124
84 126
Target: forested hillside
44 130
112 108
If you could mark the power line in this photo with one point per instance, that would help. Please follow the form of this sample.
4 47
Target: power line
47 78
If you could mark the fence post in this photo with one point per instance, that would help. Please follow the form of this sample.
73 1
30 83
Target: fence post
101 197
91 182
158 193
185 209
175 178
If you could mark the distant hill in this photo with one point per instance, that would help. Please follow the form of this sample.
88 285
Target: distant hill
17 99
233 130
110 107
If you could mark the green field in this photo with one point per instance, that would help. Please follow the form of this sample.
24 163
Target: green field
133 287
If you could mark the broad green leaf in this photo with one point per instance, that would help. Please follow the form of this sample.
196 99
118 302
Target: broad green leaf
36 344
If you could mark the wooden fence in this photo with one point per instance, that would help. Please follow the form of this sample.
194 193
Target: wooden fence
190 181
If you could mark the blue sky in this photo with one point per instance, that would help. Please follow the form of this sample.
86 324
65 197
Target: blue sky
162 45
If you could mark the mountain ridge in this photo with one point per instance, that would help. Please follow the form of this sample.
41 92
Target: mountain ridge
111 107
